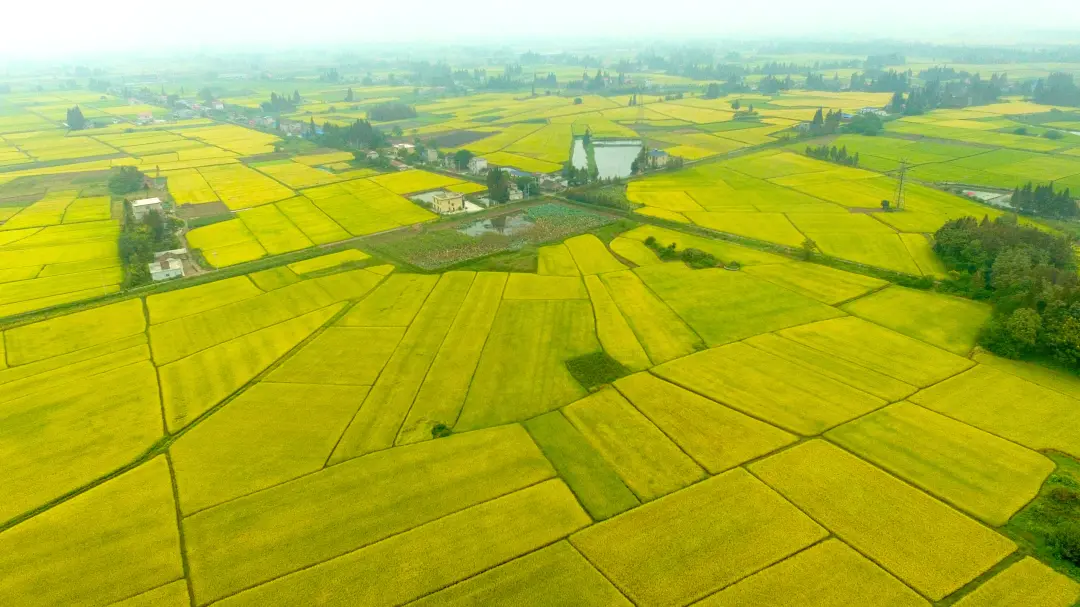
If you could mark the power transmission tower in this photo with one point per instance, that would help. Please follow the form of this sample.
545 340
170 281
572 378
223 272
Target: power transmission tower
900 186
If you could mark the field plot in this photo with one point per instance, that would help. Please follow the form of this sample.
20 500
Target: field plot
556 260
273 230
827 574
315 224
1028 582
116 540
664 553
591 256
981 474
768 387
341 356
724 306
168 306
1008 406
822 283
659 330
245 142
920 540
226 243
295 174
240 187
362 501
407 182
362 207
947 322
648 462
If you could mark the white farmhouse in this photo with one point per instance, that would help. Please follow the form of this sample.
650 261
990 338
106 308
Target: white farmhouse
448 202
166 269
142 208
477 164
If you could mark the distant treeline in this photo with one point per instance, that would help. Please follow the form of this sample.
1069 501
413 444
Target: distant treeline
1057 89
833 154
386 112
1044 201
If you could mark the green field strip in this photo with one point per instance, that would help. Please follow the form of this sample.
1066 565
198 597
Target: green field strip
173 594
556 260
380 417
365 500
1026 582
594 482
513 525
714 436
947 322
446 385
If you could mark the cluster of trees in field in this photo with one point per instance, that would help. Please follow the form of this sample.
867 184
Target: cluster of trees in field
825 123
75 119
386 112
277 103
1044 201
839 155
1030 277
358 135
1058 89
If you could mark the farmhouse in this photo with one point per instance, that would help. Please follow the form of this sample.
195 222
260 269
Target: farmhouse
431 154
477 165
166 269
142 208
658 158
448 202
873 110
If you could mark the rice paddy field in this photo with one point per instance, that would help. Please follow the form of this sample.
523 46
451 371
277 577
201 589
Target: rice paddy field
609 429
613 429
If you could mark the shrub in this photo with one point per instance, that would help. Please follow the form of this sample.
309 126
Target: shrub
1066 541
440 430
1064 495
1053 134
595 369
696 258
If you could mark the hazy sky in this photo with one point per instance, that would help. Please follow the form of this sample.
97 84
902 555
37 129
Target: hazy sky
48 28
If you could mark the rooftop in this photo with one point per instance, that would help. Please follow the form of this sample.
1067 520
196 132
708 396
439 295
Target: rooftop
146 201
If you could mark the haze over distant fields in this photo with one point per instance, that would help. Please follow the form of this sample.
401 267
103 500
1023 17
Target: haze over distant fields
62 27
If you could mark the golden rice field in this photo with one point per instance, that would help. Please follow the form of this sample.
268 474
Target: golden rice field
611 429
320 423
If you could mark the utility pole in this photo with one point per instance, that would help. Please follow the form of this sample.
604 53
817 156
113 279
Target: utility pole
900 187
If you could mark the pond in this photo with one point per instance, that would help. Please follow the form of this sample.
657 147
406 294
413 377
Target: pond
507 225
613 158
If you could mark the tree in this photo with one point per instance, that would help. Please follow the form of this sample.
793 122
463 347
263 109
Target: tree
349 96
75 119
865 124
125 180
462 158
498 184
808 247
713 91
206 94
735 105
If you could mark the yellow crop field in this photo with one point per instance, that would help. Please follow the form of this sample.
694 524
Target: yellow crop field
981 474
615 334
274 278
524 163
691 114
502 139
324 159
65 334
45 212
772 227
879 349
361 502
734 511
407 182
273 230
168 306
658 329
292 427
725 251
771 388
1053 378
853 374
245 142
331 260
446 384
718 438
226 243
634 251
363 207
532 286
591 256
824 575
556 260
394 303
226 367
114 541
825 284
95 208
1027 582
648 462
948 322
762 306
910 534
1008 406
551 144
557 574
295 174
315 224
345 356
520 523
240 187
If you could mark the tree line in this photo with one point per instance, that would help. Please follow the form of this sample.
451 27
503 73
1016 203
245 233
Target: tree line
1030 277
1044 201
833 154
